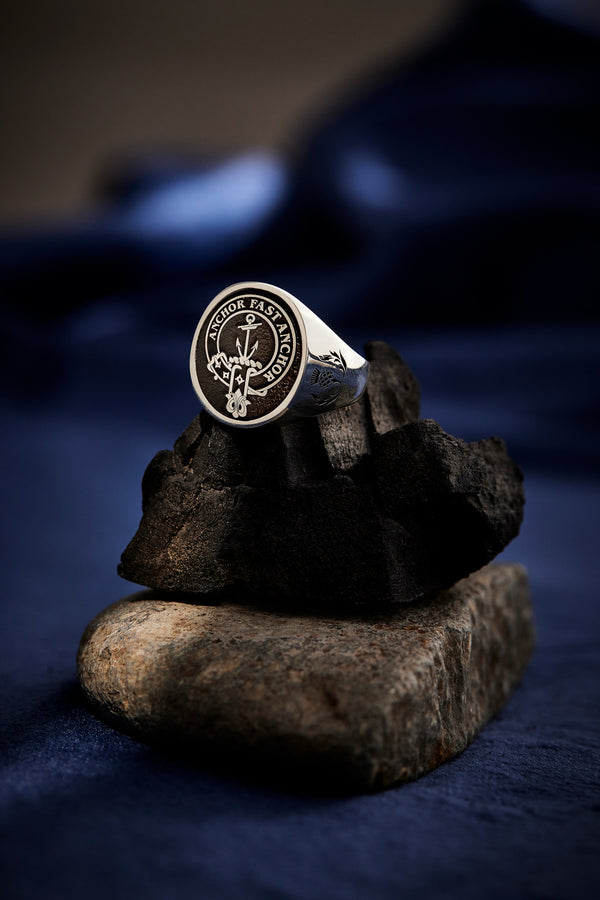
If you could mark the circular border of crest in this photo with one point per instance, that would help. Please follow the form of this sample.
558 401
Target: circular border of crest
265 292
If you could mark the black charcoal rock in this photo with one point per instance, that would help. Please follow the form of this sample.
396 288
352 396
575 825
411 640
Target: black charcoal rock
362 506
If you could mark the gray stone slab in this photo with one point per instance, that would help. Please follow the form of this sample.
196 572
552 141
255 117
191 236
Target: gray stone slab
353 700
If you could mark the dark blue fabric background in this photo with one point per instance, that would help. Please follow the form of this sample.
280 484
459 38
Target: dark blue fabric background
453 209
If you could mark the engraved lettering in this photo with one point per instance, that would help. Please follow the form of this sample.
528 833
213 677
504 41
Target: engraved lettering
249 347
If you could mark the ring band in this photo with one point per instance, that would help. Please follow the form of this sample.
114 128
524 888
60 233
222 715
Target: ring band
258 354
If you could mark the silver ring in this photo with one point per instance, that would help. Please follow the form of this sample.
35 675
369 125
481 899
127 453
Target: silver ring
259 354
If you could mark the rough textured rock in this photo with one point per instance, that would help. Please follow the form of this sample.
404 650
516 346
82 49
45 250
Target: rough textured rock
361 505
360 701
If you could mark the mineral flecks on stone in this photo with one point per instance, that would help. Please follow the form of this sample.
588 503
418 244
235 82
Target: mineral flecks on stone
361 701
363 506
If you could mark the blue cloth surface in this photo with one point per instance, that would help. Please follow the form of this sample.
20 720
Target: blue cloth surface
482 280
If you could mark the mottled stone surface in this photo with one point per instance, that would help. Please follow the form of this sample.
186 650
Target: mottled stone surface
362 506
357 701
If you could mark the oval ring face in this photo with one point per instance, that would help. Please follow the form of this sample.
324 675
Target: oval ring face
248 355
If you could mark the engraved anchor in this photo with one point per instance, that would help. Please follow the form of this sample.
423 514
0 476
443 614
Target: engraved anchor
237 401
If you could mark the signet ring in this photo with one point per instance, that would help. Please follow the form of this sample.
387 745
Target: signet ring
259 354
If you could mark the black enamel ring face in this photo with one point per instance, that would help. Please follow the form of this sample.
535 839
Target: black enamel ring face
258 354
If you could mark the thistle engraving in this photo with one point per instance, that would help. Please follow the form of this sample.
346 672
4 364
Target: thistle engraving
324 378
334 358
